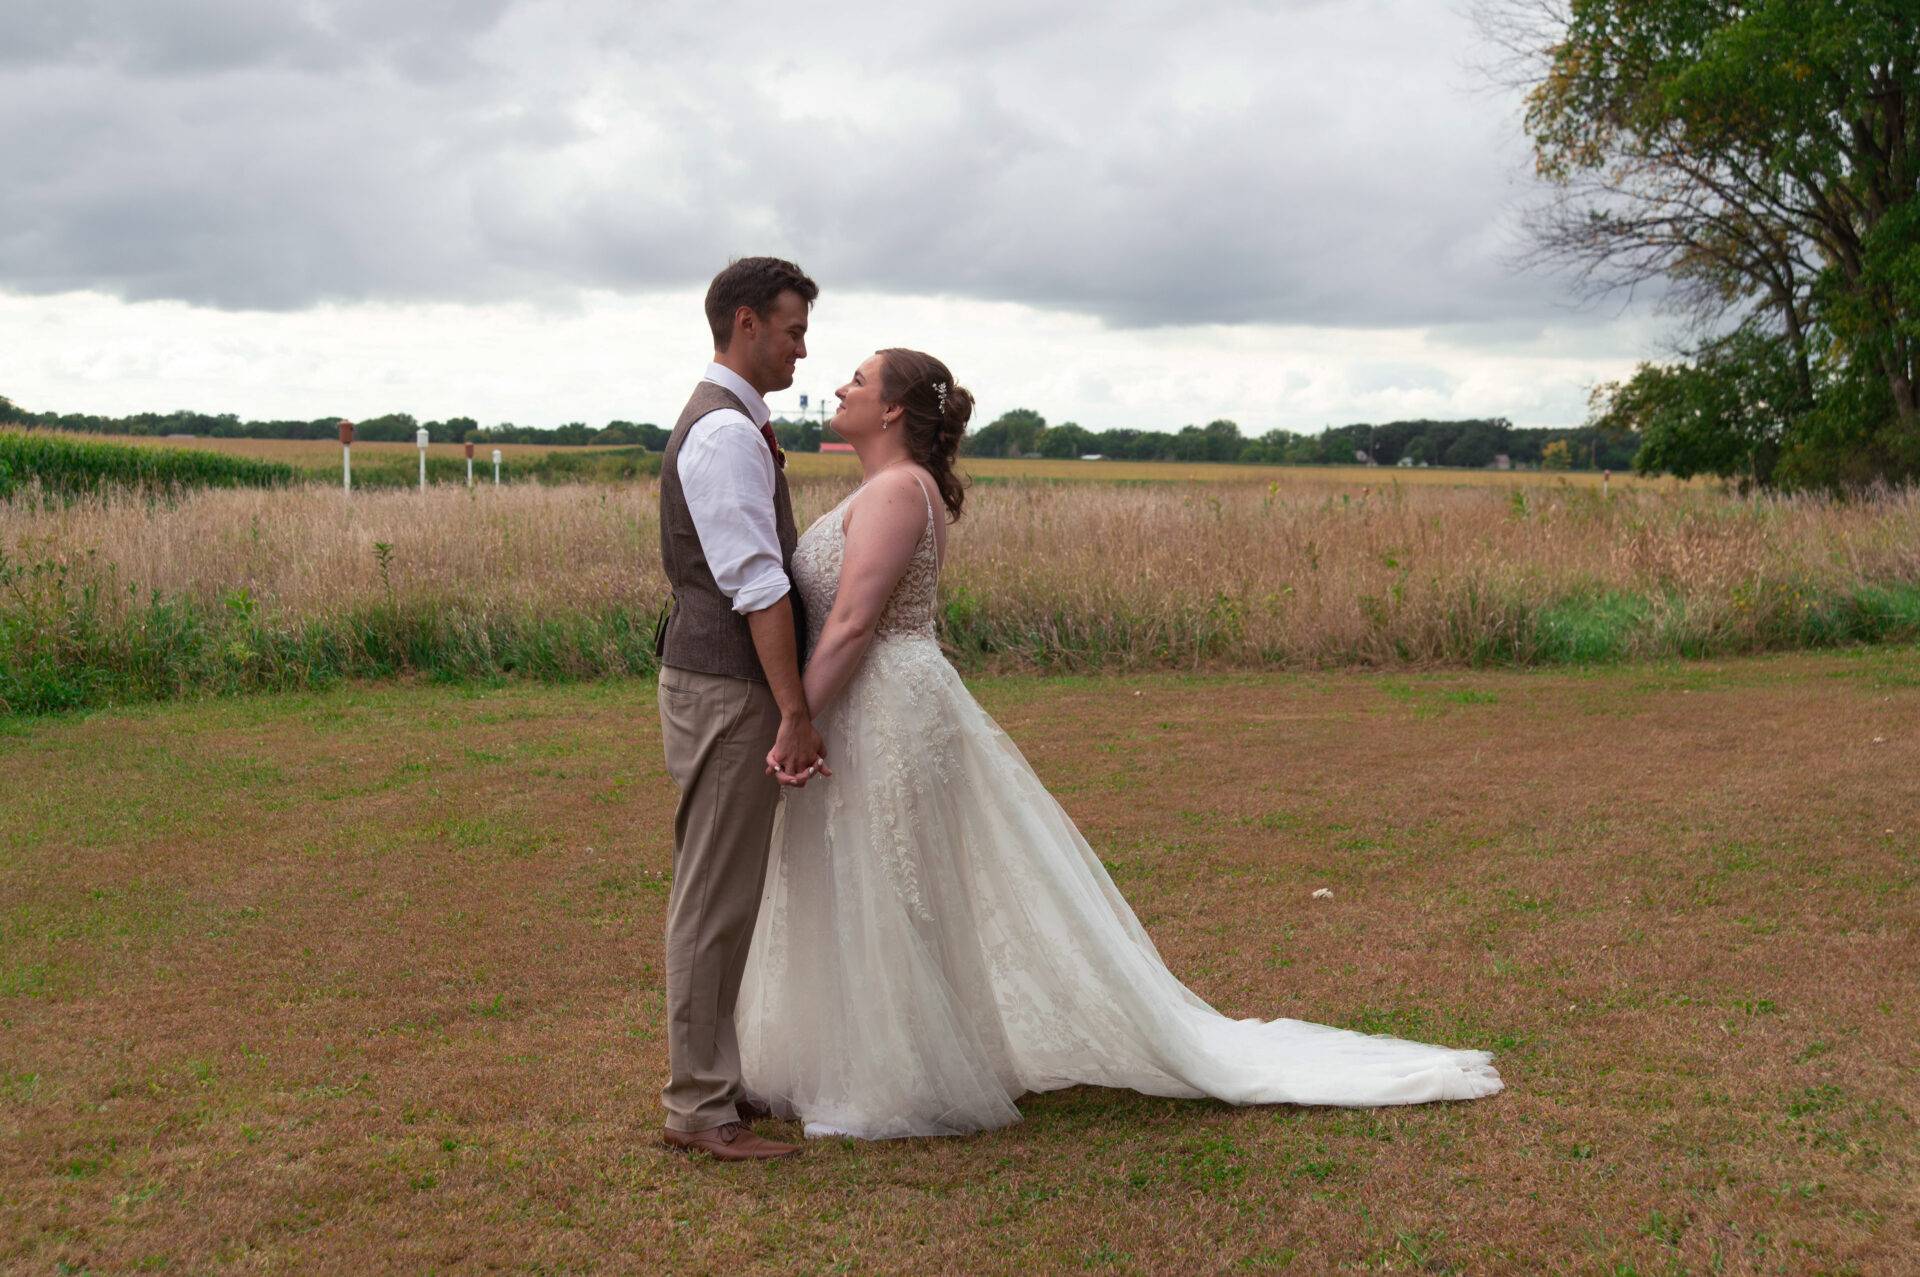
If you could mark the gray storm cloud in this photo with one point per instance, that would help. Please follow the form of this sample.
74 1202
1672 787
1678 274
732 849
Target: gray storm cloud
1313 163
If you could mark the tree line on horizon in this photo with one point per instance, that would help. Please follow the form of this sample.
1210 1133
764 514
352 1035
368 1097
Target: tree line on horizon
1021 432
392 427
1474 443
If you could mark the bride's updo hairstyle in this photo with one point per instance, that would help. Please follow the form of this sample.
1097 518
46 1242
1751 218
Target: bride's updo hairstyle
933 411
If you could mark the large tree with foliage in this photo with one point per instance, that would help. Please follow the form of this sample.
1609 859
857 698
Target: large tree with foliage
1725 413
1067 440
1761 159
1015 433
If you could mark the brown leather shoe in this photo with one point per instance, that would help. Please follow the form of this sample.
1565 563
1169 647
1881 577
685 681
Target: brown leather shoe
730 1143
752 1110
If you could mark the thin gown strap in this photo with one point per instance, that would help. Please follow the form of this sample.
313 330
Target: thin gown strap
915 475
930 533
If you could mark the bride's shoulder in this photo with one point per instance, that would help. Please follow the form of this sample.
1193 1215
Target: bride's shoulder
907 482
899 496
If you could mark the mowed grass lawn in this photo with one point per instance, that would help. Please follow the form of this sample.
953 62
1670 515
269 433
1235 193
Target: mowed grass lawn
370 980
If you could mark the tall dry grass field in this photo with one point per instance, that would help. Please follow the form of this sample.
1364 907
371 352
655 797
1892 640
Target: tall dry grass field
295 586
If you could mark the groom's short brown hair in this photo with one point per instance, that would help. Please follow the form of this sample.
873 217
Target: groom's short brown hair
755 282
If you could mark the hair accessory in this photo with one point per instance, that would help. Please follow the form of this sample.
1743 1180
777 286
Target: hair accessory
940 390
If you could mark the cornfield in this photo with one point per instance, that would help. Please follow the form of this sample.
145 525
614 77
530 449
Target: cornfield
62 465
65 466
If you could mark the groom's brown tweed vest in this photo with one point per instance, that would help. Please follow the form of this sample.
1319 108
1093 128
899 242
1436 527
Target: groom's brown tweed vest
705 634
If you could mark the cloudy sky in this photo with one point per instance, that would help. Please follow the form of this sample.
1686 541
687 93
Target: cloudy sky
1288 212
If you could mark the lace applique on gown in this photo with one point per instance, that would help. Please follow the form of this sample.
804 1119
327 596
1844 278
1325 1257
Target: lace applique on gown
937 939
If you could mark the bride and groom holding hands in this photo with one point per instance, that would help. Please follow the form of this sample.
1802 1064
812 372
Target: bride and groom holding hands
881 924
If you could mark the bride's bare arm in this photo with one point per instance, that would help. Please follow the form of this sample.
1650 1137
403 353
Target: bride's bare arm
883 527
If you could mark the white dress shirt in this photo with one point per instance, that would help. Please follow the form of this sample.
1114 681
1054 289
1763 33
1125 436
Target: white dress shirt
727 476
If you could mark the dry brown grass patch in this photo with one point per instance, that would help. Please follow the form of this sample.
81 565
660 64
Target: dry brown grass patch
371 980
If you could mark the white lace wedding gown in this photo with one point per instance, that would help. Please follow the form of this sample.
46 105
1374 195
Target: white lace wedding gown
936 938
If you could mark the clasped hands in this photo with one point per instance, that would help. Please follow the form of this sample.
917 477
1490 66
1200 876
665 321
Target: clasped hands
798 753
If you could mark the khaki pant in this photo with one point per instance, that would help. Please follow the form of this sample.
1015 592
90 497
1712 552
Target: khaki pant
717 732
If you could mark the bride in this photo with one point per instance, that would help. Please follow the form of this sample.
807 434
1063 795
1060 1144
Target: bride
936 938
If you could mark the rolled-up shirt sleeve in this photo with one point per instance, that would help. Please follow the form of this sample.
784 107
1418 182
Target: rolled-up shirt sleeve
727 477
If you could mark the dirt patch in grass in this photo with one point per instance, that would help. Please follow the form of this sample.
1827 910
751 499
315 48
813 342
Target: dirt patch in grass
372 980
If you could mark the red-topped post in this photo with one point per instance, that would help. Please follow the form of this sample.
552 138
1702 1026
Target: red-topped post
346 456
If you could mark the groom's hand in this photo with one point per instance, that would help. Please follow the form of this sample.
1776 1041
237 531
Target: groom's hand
800 781
798 753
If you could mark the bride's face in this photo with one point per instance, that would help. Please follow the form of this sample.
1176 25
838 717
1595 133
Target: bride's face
861 408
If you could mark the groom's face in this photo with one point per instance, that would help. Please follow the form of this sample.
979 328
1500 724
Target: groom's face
778 342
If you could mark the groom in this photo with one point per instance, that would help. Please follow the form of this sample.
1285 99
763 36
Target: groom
729 687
